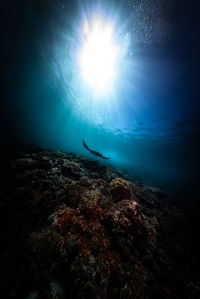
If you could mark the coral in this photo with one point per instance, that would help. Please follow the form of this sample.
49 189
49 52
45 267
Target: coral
71 169
47 243
72 227
120 189
94 167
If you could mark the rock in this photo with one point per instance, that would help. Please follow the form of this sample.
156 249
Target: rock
94 167
71 169
156 191
24 163
44 163
84 181
120 189
72 227
95 175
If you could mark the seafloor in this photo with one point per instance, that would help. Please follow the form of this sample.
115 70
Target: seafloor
74 228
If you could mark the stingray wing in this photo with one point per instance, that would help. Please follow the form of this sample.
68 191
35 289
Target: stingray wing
85 145
93 152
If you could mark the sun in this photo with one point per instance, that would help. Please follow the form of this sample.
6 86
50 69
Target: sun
98 54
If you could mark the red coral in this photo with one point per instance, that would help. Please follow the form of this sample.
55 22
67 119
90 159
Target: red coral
74 226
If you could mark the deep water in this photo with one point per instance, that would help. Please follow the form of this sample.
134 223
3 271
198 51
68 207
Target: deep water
74 225
149 126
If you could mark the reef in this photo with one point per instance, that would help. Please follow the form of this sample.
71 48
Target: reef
74 228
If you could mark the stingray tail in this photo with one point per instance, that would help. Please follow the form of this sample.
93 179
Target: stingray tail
105 157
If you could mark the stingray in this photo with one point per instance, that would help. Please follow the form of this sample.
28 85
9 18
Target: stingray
93 152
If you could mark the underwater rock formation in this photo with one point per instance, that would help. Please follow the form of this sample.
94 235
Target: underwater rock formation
74 228
119 189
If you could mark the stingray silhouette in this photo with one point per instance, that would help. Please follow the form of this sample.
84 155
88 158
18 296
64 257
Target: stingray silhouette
93 152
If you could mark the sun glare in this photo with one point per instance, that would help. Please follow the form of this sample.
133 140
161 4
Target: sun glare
98 54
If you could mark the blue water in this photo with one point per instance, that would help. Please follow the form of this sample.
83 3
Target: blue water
149 124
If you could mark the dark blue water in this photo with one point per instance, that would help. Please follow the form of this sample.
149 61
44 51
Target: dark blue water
149 125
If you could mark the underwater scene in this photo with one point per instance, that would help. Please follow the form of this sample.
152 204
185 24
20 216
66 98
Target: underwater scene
99 159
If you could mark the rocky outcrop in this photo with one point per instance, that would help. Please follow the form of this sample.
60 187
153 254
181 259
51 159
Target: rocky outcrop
120 189
71 169
74 228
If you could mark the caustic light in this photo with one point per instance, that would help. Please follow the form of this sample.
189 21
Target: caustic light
98 54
